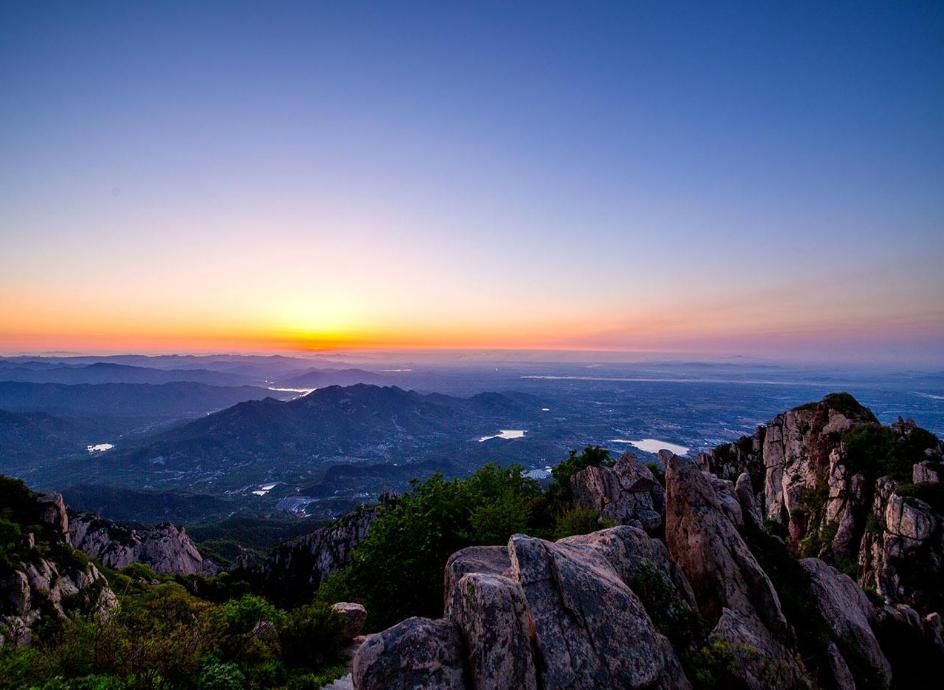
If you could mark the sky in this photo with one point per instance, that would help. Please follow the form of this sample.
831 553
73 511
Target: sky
762 179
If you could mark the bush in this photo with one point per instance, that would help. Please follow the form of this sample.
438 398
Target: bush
221 676
312 636
877 451
397 571
579 521
241 615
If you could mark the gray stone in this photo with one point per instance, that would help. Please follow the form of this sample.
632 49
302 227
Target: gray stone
415 654
491 614
354 615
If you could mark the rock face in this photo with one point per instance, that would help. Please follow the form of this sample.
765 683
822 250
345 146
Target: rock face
491 614
546 615
902 557
850 615
705 543
43 576
294 568
165 548
627 493
415 653
818 474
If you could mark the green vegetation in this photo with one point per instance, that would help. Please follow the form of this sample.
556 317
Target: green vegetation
224 540
843 403
162 637
397 571
877 451
932 494
559 494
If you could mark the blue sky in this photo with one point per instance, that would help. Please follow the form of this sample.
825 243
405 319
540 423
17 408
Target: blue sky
761 178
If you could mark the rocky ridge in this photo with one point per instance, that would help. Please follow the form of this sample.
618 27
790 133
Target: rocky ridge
41 576
294 568
166 548
749 588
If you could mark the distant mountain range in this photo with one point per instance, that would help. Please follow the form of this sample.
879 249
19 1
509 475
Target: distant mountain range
293 444
173 400
362 421
106 372
28 438
318 378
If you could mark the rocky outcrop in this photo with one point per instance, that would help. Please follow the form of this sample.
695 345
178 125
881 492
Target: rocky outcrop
724 598
165 548
759 660
706 544
490 612
586 611
42 576
354 616
415 653
798 454
850 615
901 554
626 493
730 460
840 486
545 615
295 568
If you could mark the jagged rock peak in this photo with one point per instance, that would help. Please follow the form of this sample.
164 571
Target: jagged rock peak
626 493
40 573
166 548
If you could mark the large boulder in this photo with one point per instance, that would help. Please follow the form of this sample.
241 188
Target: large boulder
761 661
707 546
415 653
473 559
354 616
590 629
491 614
849 614
636 556
627 493
538 614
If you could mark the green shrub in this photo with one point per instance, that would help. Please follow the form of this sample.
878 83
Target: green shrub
874 524
579 521
877 451
241 615
397 571
312 636
217 675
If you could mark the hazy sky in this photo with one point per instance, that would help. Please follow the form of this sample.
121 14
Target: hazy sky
756 178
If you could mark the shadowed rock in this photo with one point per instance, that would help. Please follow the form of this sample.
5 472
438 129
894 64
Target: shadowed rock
492 617
714 557
415 653
590 629
630 550
761 661
473 559
354 615
848 613
627 493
